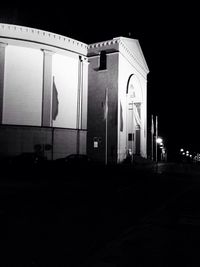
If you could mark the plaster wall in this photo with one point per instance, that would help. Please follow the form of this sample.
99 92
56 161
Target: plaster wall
98 82
22 99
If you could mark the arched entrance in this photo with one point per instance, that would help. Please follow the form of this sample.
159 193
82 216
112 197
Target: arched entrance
133 103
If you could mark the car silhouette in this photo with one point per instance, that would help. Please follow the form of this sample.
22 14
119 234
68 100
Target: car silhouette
75 160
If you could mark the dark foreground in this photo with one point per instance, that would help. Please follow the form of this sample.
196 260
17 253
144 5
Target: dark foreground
101 217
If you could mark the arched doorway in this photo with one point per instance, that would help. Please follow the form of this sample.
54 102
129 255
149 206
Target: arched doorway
133 103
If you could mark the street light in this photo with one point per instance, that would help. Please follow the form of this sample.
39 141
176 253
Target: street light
159 140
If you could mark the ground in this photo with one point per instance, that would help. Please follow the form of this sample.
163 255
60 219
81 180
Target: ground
145 215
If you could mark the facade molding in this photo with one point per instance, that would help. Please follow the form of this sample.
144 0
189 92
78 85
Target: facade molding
129 55
44 37
118 45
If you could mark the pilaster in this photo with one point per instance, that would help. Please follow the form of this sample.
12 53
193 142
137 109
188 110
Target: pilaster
47 88
84 99
2 71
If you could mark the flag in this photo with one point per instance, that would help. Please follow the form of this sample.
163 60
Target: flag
55 101
152 125
105 106
121 118
136 115
156 126
152 138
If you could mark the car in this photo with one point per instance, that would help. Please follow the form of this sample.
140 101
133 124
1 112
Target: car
26 159
75 160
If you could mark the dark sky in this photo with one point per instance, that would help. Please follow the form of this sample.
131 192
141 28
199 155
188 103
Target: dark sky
168 35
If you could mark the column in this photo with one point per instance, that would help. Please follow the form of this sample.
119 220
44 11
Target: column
84 99
2 71
79 93
79 103
47 88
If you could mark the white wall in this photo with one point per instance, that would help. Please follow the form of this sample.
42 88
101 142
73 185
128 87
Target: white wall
125 70
23 86
65 71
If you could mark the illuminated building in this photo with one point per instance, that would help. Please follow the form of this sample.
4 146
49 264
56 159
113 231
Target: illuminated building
52 95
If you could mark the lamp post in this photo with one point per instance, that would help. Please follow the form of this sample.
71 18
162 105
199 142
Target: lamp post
156 139
159 141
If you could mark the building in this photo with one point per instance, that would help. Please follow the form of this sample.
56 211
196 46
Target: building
62 96
118 72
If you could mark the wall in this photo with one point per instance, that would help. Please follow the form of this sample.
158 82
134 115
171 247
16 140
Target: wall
15 140
22 100
65 71
125 70
98 81
33 64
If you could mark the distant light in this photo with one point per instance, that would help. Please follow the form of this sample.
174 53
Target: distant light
187 152
190 156
181 149
183 153
159 140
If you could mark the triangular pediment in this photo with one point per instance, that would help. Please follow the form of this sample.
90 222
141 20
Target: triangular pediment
134 47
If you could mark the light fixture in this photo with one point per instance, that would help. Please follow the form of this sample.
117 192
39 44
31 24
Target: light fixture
159 140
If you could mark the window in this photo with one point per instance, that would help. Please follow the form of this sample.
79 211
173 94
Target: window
131 137
103 60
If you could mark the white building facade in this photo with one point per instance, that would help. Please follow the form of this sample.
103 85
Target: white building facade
52 95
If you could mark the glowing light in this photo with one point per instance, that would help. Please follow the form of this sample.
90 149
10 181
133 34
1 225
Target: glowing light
159 140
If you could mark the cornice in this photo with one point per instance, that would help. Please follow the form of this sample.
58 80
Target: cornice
117 44
43 37
9 31
130 55
103 44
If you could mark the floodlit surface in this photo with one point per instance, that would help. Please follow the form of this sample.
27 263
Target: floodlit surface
23 86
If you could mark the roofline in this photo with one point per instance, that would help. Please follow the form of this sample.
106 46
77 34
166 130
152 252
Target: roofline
44 37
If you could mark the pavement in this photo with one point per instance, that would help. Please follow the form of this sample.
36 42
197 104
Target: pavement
144 215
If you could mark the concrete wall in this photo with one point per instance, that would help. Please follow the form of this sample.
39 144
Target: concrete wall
15 140
98 81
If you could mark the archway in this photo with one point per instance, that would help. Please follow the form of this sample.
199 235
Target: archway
133 102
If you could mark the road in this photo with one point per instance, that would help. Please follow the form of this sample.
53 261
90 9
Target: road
119 218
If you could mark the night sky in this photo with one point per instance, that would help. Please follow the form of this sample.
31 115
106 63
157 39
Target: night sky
168 35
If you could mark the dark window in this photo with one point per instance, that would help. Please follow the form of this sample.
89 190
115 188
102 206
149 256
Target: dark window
130 137
103 60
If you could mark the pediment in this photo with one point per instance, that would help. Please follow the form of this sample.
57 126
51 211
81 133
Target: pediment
134 47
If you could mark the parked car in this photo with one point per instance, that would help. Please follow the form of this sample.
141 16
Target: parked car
75 160
26 159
